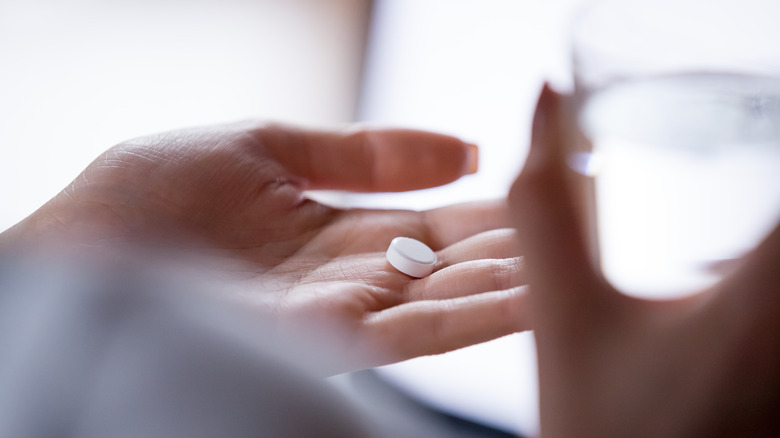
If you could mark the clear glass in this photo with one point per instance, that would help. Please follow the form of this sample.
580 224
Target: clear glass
679 106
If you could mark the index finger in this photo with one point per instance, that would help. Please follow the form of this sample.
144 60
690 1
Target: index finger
565 285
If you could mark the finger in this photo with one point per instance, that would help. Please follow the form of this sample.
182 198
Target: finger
433 327
493 244
369 160
754 285
451 224
468 278
565 286
359 231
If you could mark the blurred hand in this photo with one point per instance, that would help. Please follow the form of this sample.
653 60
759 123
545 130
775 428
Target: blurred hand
615 366
235 193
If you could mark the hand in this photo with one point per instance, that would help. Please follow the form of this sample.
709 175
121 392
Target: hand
615 366
236 193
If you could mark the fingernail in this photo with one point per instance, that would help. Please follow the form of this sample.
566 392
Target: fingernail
472 159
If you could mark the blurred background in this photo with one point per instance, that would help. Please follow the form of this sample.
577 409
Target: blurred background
79 76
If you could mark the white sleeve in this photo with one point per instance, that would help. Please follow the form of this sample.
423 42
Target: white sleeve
103 354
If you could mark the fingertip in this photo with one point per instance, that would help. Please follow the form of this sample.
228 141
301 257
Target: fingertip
548 128
546 202
472 159
541 113
413 160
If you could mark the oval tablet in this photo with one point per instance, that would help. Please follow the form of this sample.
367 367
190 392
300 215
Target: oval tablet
411 257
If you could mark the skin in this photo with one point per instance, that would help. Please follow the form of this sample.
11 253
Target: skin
614 366
609 365
233 195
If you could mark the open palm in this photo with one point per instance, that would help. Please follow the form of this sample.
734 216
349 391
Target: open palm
236 193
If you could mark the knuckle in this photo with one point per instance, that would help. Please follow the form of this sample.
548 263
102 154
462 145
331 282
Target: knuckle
505 272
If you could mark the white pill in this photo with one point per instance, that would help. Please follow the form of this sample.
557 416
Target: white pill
411 257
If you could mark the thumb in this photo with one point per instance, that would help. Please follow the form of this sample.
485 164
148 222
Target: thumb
370 160
565 286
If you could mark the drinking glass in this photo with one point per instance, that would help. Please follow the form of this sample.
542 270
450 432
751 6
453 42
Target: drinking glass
678 104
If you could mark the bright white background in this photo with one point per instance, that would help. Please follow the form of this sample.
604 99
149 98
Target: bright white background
78 76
